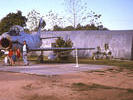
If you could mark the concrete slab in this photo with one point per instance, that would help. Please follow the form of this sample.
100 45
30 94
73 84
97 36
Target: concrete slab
52 69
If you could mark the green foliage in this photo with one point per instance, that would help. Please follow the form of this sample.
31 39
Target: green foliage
87 27
79 27
67 28
27 30
12 19
57 28
86 87
63 54
130 90
121 63
106 46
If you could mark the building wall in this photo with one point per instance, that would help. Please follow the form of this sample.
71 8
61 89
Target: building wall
120 42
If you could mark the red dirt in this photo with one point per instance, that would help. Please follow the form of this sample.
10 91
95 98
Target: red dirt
76 86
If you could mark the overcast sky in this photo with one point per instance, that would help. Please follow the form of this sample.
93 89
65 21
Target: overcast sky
116 14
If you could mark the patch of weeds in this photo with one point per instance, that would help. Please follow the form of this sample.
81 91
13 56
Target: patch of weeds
115 70
99 71
39 97
40 75
130 75
119 70
129 99
129 72
130 90
110 69
101 74
80 86
85 87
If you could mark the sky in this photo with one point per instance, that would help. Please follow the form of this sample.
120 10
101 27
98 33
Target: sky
116 14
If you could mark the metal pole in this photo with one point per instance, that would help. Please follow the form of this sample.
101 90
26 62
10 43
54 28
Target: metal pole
77 64
41 57
132 49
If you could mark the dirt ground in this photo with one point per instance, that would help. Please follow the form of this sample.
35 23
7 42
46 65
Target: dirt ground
107 84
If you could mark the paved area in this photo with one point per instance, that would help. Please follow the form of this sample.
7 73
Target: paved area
52 69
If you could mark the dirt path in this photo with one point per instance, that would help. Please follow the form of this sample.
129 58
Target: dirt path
111 84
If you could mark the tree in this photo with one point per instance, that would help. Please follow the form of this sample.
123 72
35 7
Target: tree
69 28
79 27
33 20
54 20
63 54
12 19
95 19
57 28
79 14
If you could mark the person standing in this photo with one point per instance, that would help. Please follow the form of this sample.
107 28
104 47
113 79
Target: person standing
25 51
14 56
10 54
18 55
6 52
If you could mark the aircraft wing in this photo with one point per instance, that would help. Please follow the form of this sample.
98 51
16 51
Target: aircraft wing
61 48
49 37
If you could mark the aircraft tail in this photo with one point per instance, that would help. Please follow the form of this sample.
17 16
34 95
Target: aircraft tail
41 22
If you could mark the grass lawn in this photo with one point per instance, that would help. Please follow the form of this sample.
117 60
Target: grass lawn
128 64
120 63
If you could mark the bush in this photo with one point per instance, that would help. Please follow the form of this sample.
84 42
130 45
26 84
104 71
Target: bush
63 54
